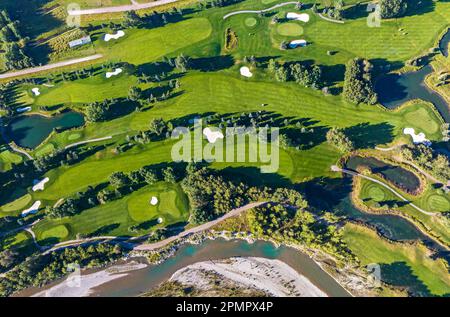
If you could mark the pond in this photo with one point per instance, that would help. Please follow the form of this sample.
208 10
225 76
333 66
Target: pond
395 89
30 130
398 176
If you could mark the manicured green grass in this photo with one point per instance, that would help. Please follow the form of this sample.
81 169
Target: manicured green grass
59 232
7 158
289 29
141 46
400 264
438 202
16 205
371 192
114 218
251 22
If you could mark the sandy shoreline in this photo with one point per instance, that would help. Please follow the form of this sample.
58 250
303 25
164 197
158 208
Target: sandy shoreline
274 277
83 285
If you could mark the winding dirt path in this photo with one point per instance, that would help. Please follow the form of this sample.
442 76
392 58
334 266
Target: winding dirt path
33 70
260 11
156 245
338 169
123 8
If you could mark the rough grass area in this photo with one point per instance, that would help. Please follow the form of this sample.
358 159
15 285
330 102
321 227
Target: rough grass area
400 264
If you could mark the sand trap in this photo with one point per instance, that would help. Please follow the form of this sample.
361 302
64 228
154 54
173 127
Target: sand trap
36 91
211 135
160 220
297 43
271 276
116 72
417 138
245 71
33 209
153 201
119 34
304 17
39 185
25 109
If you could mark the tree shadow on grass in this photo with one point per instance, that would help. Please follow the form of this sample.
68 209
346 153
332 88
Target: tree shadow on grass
104 230
212 64
366 135
400 274
252 176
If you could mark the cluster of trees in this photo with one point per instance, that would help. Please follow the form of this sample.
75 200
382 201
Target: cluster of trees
211 195
99 110
155 19
426 158
40 270
13 43
120 184
297 225
337 138
358 85
335 10
303 74
392 8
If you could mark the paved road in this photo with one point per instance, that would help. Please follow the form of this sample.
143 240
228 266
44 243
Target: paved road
123 8
338 169
33 70
260 11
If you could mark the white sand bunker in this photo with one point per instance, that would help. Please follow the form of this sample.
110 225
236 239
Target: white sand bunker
160 220
116 72
33 209
36 91
211 135
39 185
153 201
297 43
245 71
25 109
304 17
417 138
119 34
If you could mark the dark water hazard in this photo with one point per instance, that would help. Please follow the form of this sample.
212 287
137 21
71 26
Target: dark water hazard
396 89
399 176
143 280
30 130
443 43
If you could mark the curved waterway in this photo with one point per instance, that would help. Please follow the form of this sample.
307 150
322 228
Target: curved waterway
30 130
396 89
143 280
140 281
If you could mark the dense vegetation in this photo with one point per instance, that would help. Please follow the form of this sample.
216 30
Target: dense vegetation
358 86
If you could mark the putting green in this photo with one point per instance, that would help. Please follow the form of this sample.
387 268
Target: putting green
17 204
289 29
45 149
423 119
376 193
59 232
438 203
250 22
140 209
74 136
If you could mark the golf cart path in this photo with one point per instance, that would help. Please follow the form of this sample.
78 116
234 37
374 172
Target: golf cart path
88 141
260 11
338 169
159 244
203 227
123 8
33 70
